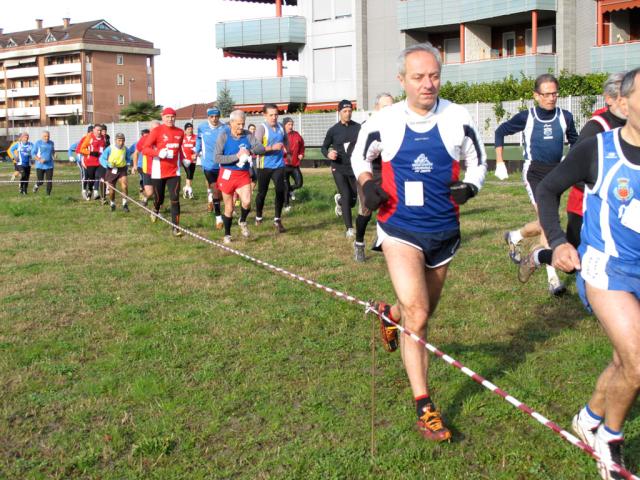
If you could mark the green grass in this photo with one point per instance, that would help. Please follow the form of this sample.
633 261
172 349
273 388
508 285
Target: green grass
126 353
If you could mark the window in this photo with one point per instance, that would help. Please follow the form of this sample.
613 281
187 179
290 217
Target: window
322 10
545 40
103 26
331 64
89 98
89 76
29 40
50 38
323 64
87 58
120 99
508 44
342 8
11 43
452 50
119 59
343 63
120 79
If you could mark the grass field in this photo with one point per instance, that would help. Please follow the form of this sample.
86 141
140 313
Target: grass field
127 353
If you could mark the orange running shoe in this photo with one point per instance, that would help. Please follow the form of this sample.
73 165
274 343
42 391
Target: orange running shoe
431 427
388 332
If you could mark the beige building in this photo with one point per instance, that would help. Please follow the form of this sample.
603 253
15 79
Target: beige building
77 73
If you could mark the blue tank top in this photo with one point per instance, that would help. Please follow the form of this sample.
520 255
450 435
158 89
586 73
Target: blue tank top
274 159
233 146
612 207
417 181
544 140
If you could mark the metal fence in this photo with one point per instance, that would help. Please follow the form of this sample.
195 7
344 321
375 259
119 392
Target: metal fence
313 126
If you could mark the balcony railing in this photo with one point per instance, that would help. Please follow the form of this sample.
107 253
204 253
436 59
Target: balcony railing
23 92
266 90
496 69
24 113
263 31
63 69
615 58
68 89
22 72
61 110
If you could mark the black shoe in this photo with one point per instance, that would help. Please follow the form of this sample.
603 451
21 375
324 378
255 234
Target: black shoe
113 207
125 207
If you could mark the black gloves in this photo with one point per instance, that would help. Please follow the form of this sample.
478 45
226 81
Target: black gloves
461 192
374 195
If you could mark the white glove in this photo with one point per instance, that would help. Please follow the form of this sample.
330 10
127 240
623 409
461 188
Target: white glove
244 159
501 171
72 158
374 150
164 153
186 162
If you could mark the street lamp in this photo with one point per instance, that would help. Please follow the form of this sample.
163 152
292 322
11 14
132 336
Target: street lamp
131 80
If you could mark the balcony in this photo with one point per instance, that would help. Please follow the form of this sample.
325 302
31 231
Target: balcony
261 36
498 69
430 13
23 92
66 90
24 113
63 110
615 58
22 72
63 69
3 96
266 90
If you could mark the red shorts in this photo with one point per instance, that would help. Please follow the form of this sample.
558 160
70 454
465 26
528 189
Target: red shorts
574 202
231 180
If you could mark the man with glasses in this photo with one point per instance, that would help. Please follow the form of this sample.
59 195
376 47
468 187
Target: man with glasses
545 128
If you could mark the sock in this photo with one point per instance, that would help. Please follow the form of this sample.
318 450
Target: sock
124 202
607 435
209 195
543 256
516 236
216 207
259 218
551 273
276 219
421 404
361 227
244 213
227 224
112 203
588 418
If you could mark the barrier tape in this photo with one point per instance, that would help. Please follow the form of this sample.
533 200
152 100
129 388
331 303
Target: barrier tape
438 353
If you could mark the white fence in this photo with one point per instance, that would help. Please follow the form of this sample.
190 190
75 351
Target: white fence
313 126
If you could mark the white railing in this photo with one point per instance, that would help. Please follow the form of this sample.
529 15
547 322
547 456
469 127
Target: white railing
22 72
24 113
63 69
63 90
54 110
23 92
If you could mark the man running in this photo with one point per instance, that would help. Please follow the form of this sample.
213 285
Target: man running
91 148
78 157
233 153
338 145
101 171
270 165
114 160
294 155
421 141
162 146
44 152
206 147
188 159
364 215
142 164
607 259
21 152
15 174
545 127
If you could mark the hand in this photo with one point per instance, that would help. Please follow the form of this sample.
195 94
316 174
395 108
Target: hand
374 195
332 155
277 146
186 162
565 258
461 192
72 158
242 153
374 150
300 157
243 160
501 171
134 169
163 153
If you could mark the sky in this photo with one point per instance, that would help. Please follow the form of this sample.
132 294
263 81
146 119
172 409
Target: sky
189 64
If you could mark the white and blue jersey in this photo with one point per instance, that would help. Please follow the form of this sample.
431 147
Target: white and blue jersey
233 145
206 139
44 150
271 136
420 158
22 153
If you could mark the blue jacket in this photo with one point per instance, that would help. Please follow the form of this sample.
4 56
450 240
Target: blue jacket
46 151
22 153
206 139
72 152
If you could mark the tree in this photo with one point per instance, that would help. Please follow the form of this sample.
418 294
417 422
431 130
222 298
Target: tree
140 112
225 102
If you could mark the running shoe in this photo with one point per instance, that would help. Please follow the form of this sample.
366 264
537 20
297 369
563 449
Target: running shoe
227 239
176 232
113 207
154 218
279 227
514 248
338 210
431 426
191 194
292 196
84 194
609 452
209 207
125 207
388 331
184 193
244 229
358 251
287 209
36 187
586 434
527 267
350 234
556 287
258 221
96 194
219 223
88 196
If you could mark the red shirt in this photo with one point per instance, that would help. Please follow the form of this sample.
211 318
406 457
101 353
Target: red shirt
92 148
163 137
296 147
188 144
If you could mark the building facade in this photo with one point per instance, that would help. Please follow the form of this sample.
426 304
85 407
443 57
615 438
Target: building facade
77 73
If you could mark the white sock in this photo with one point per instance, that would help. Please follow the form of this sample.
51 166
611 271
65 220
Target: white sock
516 236
124 202
607 435
551 273
276 219
209 196
588 418
113 204
218 218
258 218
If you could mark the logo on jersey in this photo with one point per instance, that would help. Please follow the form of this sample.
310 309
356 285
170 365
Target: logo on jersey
165 137
623 191
547 131
422 164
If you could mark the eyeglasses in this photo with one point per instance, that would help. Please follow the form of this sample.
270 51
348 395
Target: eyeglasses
548 94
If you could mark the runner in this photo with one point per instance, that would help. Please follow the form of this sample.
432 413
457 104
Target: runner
21 152
206 147
337 146
162 146
233 153
101 171
44 153
608 259
188 159
270 165
545 127
294 155
142 165
15 174
77 155
364 216
91 148
114 160
418 227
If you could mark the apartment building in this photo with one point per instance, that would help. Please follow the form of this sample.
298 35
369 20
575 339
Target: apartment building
72 73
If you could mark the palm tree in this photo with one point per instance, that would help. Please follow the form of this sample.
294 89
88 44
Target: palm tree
140 112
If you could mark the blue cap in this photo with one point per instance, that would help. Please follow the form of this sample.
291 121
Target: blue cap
213 111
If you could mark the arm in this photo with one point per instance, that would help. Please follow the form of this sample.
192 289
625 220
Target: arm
590 129
328 141
363 153
474 155
221 158
11 151
149 148
198 147
572 134
514 125
84 146
256 146
104 157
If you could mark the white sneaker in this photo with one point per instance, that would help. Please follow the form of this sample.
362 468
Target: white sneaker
583 431
96 194
84 194
556 287
227 239
293 196
350 234
190 193
219 223
338 210
184 192
287 209
608 453
514 248
244 229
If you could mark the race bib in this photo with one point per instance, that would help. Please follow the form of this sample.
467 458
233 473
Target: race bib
594 265
226 174
169 153
114 170
631 216
413 194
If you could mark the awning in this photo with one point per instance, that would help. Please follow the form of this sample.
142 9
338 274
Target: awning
27 60
616 5
11 63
